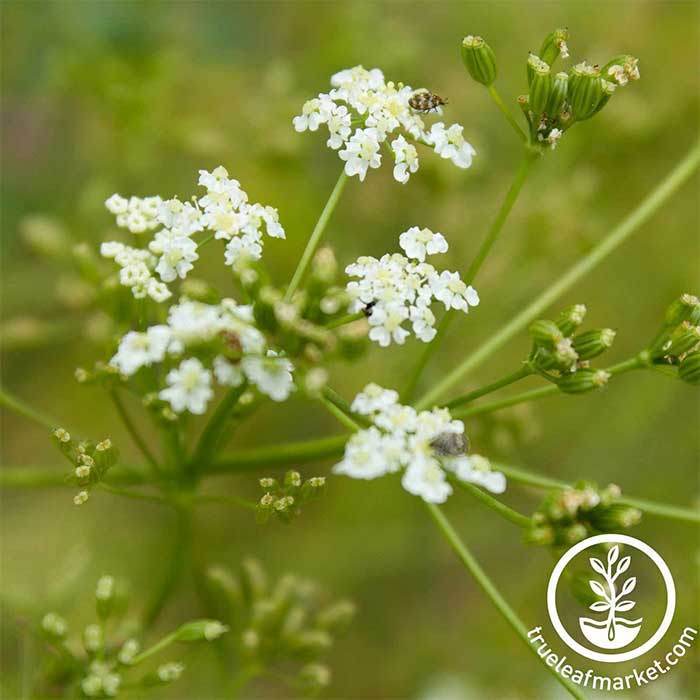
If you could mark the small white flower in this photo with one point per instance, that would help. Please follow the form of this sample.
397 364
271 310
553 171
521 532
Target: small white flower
189 387
272 374
449 288
227 373
476 469
310 117
374 398
385 323
177 255
450 144
361 153
406 159
138 350
339 127
417 242
424 477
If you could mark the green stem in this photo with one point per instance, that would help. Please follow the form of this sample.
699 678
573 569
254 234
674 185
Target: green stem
506 112
524 371
128 493
213 431
633 221
344 320
632 363
491 236
316 235
205 498
22 409
158 646
497 225
133 432
426 354
474 568
488 500
177 564
341 404
338 414
278 455
524 476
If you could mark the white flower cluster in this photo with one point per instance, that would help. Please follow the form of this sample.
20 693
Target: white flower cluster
378 111
424 445
191 325
398 288
224 211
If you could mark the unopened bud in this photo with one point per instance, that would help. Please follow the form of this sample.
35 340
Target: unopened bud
540 80
616 517
686 308
80 498
593 343
128 652
583 380
104 445
62 435
167 673
558 94
571 318
268 483
543 535
479 59
311 643
83 471
337 617
575 533
200 629
314 677
546 333
689 370
54 625
585 90
683 340
104 595
292 478
554 46
92 638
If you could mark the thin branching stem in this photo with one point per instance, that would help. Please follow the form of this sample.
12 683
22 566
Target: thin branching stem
489 501
631 223
474 568
344 320
498 100
494 231
316 236
133 431
16 405
524 371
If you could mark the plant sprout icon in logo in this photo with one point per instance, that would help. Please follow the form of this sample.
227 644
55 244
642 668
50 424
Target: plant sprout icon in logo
612 635
615 631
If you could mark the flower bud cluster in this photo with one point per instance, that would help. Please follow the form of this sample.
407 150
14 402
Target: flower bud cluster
362 112
563 356
569 515
91 461
170 254
279 624
427 447
105 667
402 288
284 499
678 341
555 100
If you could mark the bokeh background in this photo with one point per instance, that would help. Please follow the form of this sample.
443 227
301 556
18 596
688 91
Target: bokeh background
135 97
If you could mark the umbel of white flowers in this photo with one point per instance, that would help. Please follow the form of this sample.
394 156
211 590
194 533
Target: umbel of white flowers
224 211
203 331
425 446
397 288
379 112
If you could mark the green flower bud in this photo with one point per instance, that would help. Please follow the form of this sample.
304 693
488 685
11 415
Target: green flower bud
533 65
93 638
684 339
583 380
585 90
337 617
558 94
54 625
621 69
105 596
575 533
571 318
546 333
197 630
541 535
593 343
540 84
292 479
479 59
685 308
689 371
554 46
314 677
616 517
607 89
310 643
610 494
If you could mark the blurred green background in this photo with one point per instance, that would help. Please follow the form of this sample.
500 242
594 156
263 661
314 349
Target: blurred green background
135 97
